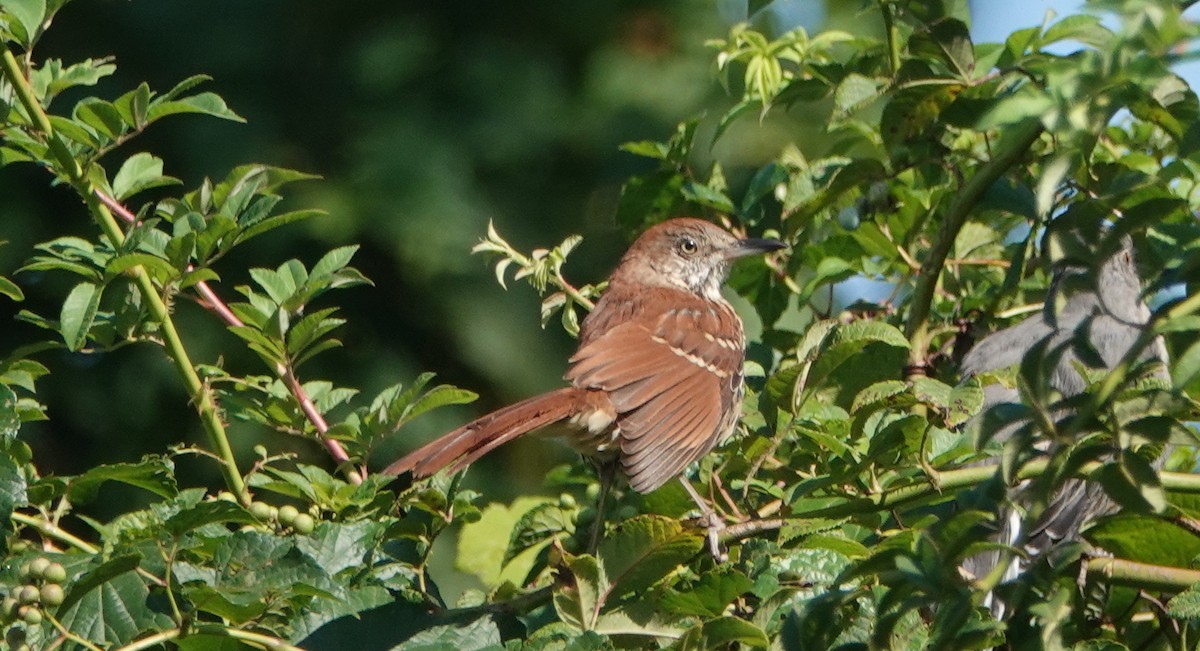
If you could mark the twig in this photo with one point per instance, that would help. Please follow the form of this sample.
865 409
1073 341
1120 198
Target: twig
1022 138
210 300
200 393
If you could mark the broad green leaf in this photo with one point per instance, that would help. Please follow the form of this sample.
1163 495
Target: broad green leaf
479 634
338 546
723 632
109 605
1133 483
353 601
879 393
154 474
157 267
578 602
536 527
205 103
1078 27
12 488
78 313
855 91
1186 604
333 261
101 116
11 290
10 419
139 172
1145 539
204 513
642 551
29 15
483 543
710 595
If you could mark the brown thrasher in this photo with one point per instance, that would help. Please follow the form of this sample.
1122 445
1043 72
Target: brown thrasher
657 380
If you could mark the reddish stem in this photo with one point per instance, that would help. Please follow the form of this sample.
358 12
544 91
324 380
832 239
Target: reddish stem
210 300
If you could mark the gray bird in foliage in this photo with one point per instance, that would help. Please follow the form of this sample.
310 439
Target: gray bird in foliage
1106 307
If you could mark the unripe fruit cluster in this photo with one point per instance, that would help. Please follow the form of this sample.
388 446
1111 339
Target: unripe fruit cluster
41 586
287 516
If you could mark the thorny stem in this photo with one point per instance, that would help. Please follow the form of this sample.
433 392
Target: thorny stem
212 302
200 393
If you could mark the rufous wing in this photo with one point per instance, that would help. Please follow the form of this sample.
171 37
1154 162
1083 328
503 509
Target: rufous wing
675 382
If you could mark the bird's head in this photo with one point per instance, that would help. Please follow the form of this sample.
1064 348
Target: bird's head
689 254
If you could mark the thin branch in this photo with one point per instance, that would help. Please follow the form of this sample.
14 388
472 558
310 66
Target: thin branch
212 302
200 393
1021 139
1131 573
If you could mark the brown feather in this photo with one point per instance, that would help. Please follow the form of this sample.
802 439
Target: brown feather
471 441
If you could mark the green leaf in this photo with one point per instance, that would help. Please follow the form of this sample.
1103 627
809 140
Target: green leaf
333 261
157 267
710 595
578 602
1133 483
479 634
101 116
13 487
78 313
109 605
855 91
154 474
1145 539
139 172
275 221
483 543
644 550
880 393
721 633
338 546
204 513
29 14
205 103
11 290
1186 604
537 527
1079 27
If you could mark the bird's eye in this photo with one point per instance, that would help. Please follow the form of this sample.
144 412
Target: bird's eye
687 246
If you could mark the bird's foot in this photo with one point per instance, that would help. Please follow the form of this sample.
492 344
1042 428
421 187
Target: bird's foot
714 525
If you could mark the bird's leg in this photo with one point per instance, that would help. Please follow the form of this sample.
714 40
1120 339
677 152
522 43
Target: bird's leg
607 471
712 522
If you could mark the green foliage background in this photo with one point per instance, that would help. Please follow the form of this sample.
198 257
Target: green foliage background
179 495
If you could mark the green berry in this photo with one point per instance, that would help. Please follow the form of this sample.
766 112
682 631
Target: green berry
37 567
566 501
260 510
8 607
28 595
287 514
23 571
592 492
30 614
19 546
586 515
55 573
52 594
226 496
304 523
274 513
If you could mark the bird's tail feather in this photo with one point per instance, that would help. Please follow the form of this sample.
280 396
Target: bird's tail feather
468 443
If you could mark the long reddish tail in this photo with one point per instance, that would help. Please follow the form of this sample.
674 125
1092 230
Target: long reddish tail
475 439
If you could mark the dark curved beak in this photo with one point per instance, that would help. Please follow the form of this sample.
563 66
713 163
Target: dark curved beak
753 246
